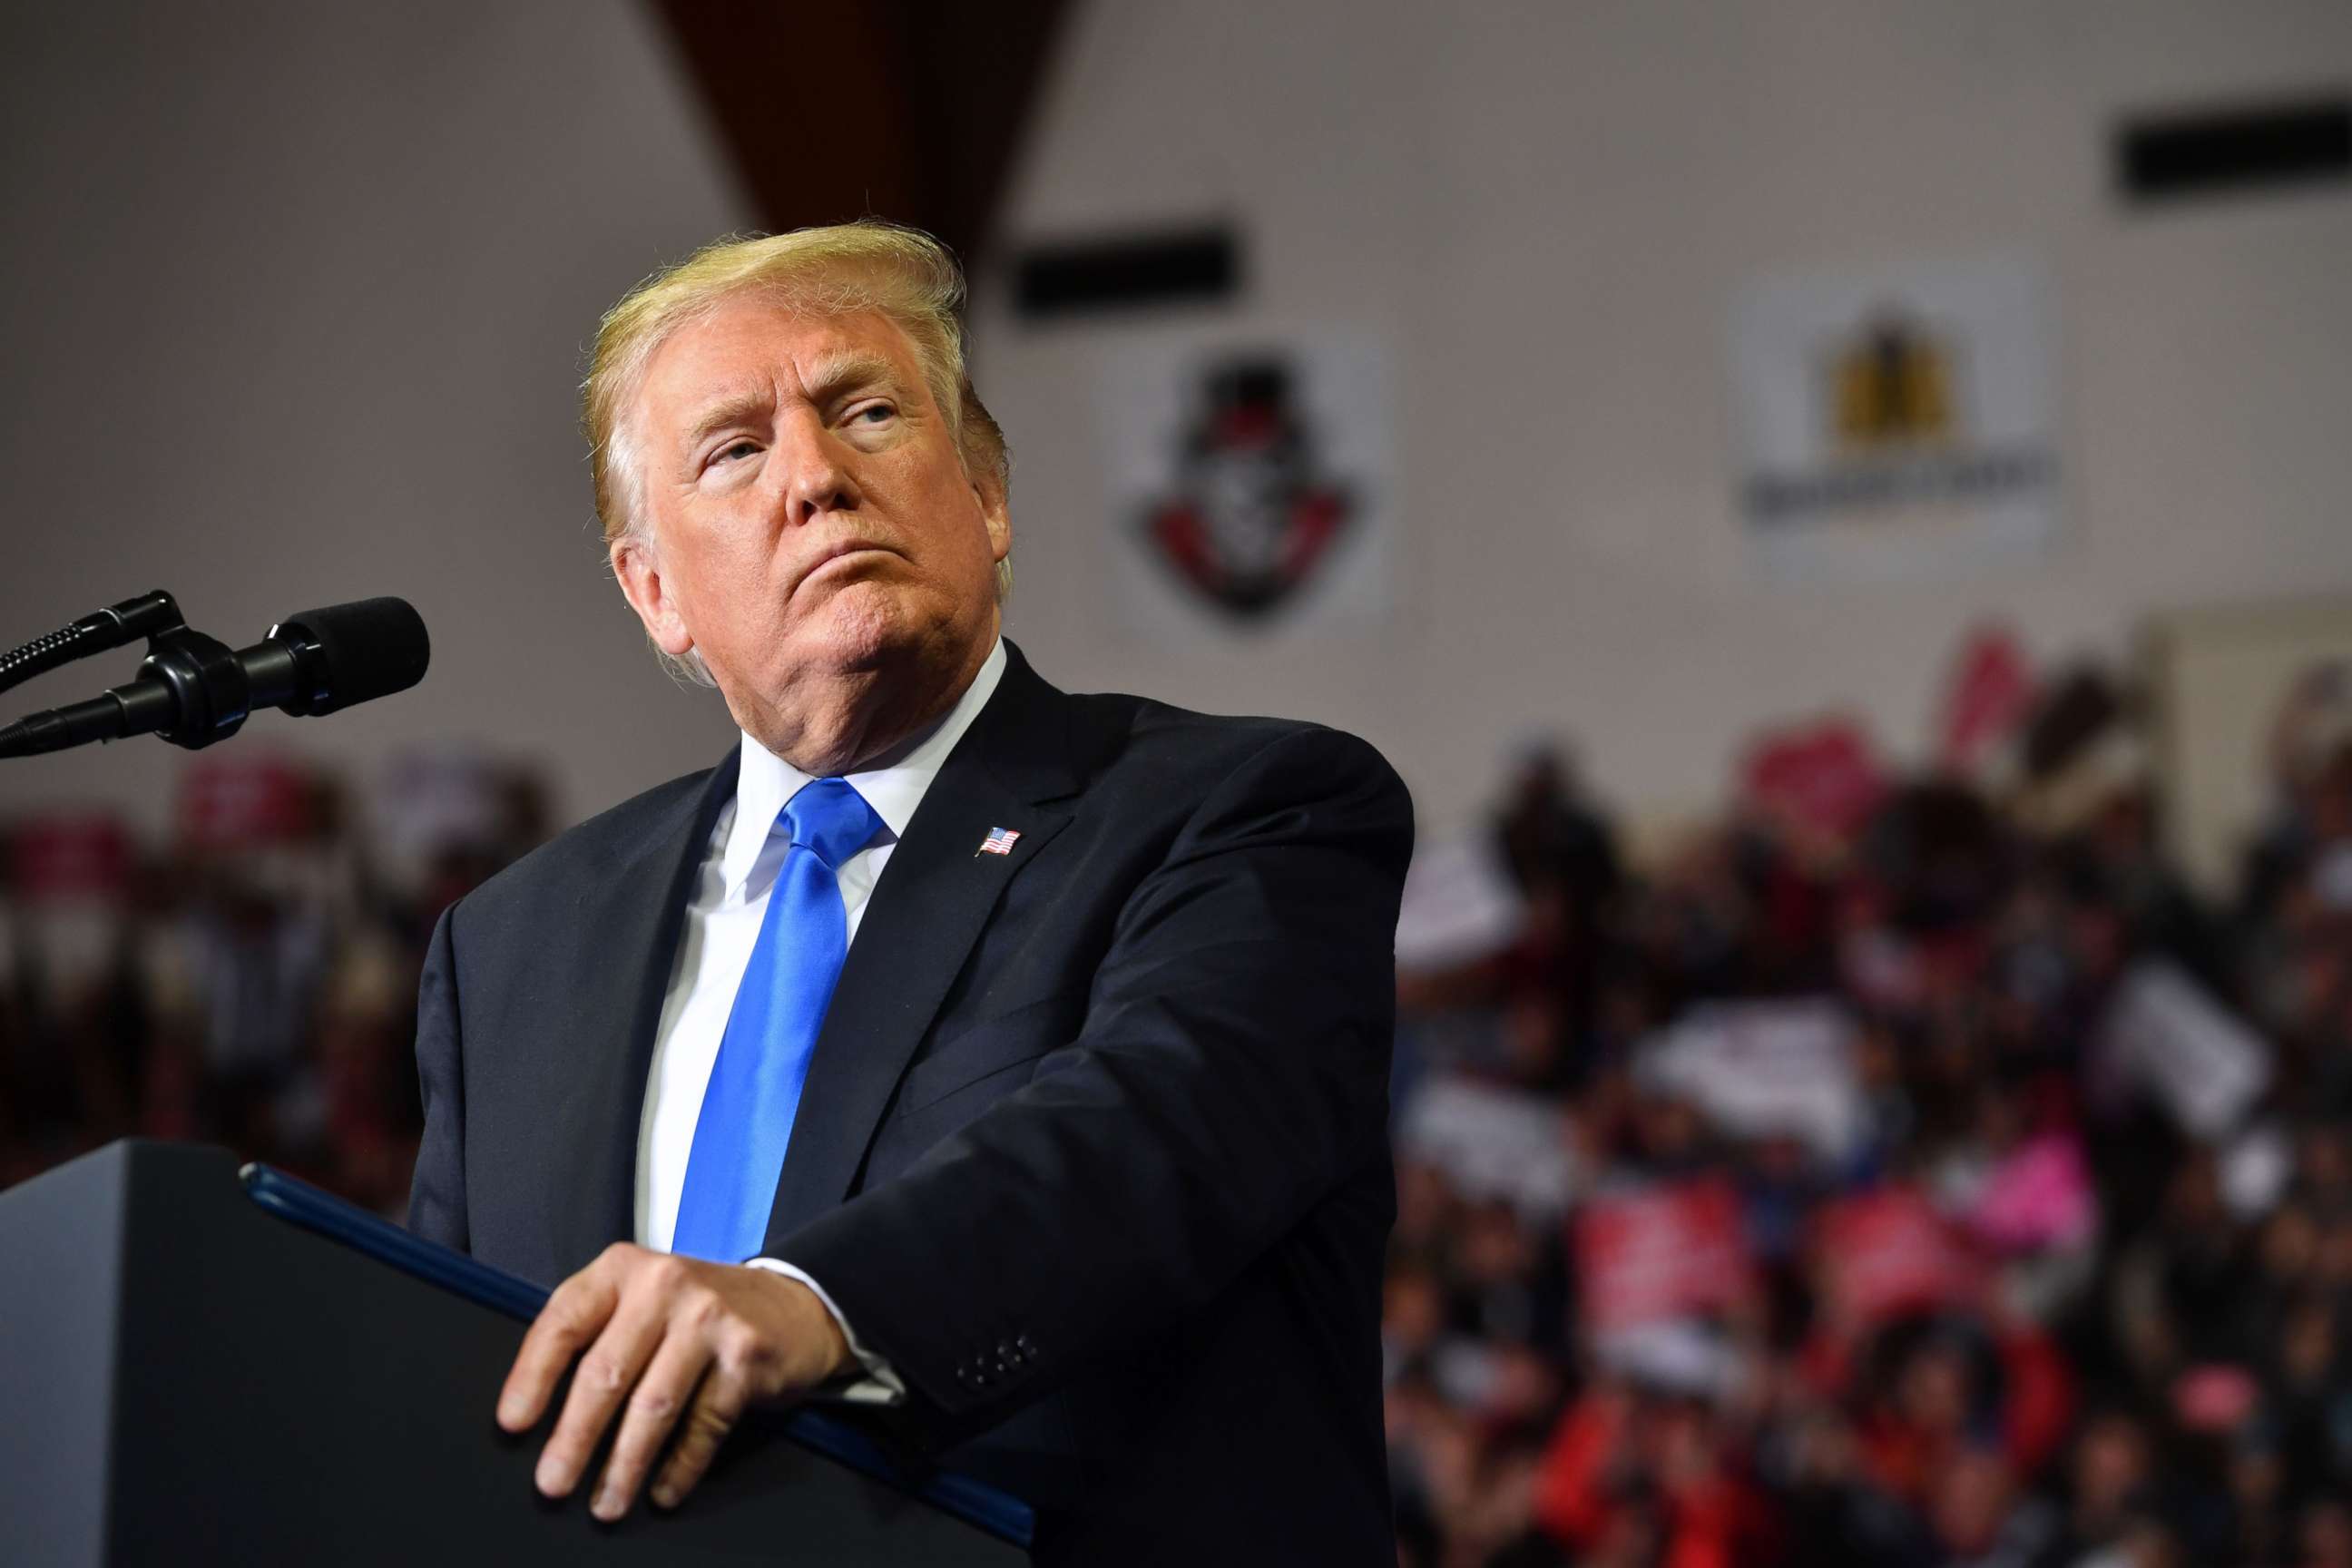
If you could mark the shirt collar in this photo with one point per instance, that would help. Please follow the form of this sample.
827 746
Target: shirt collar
893 789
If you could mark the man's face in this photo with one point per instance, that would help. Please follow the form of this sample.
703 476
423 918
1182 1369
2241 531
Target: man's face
810 515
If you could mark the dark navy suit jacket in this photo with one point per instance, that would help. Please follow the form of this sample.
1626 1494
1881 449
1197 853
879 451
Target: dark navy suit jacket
1094 1142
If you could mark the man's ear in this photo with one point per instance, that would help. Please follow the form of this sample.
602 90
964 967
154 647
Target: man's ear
637 565
988 492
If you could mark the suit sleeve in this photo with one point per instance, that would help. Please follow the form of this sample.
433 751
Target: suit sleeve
1233 1071
437 1196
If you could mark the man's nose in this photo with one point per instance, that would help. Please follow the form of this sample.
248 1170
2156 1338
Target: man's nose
816 472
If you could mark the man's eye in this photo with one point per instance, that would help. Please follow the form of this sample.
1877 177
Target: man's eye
875 414
737 449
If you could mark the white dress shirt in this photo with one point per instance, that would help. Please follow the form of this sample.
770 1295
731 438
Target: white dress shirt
714 947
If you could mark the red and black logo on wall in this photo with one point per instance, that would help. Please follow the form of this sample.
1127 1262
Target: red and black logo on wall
1250 519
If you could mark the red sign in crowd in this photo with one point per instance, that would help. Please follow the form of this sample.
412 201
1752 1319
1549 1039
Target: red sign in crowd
1668 1252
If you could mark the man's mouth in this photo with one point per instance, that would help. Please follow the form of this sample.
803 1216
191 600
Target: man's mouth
846 550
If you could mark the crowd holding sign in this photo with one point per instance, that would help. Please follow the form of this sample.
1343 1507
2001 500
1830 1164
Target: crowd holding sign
1952 1183
251 978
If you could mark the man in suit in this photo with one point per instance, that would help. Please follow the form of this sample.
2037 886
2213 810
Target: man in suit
1011 1061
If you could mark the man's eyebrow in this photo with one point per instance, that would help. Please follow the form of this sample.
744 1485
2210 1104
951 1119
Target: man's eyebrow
829 380
851 370
737 408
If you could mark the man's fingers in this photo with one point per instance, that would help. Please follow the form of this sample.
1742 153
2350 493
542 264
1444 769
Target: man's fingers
664 1391
573 1317
716 1406
685 1345
607 1372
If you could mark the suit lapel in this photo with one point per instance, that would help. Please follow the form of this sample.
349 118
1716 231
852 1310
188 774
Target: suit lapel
934 898
636 907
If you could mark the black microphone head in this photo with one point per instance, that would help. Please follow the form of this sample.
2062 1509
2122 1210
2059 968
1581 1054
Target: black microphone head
366 649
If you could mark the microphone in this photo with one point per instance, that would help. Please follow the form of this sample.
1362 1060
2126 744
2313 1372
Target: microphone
193 691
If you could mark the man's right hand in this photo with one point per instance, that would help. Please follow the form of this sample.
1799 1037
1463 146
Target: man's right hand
672 1337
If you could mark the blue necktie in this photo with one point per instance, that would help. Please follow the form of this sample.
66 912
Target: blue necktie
763 1058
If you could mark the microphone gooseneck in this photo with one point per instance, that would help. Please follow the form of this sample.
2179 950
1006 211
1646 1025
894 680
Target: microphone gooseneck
110 627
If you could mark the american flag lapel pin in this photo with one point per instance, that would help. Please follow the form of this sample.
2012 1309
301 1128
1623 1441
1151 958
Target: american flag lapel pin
1000 841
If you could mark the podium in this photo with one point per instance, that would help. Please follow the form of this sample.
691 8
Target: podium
188 1379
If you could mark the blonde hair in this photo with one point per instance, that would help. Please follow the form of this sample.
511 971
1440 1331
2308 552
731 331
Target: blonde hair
900 273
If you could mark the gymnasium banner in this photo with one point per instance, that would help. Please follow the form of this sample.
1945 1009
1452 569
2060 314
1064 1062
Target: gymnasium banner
1251 481
1896 424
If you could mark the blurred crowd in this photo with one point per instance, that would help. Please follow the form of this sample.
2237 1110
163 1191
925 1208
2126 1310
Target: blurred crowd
248 976
1902 1170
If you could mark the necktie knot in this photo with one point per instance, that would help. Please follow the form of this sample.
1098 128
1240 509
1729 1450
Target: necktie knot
831 818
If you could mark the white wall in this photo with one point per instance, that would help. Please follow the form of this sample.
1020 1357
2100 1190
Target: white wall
1549 209
293 299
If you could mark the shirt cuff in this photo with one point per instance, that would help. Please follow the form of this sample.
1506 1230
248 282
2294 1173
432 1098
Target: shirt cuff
881 1384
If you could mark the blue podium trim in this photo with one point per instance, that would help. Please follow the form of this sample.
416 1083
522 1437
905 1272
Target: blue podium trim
290 1198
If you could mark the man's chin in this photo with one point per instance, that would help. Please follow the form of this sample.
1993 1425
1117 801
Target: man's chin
844 686
863 627
863 624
